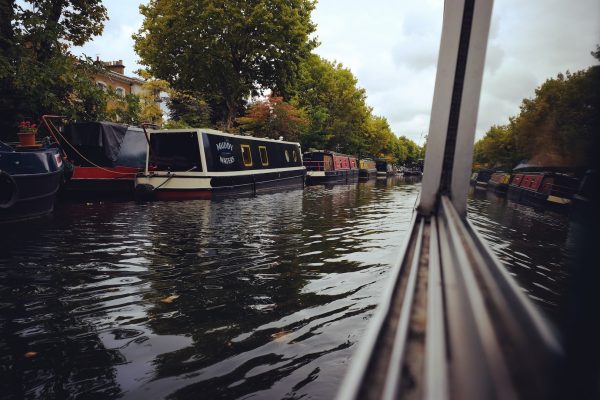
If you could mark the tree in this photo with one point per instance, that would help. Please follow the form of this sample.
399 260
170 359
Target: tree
187 109
557 127
38 75
226 50
273 118
335 107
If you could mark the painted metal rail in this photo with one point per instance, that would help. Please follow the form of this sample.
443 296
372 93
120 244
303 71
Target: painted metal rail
452 323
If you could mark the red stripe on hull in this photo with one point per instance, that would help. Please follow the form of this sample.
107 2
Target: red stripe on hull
183 194
126 173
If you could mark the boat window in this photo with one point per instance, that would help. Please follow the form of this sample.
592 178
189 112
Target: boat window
175 152
295 156
287 156
264 157
246 155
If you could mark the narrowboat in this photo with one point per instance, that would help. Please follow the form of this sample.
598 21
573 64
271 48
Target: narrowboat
499 182
29 180
104 157
367 168
205 163
324 166
481 178
550 189
384 168
412 170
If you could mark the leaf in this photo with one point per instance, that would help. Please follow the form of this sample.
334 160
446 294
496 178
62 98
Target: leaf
170 299
280 336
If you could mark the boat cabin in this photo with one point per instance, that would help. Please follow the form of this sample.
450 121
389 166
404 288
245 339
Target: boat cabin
197 163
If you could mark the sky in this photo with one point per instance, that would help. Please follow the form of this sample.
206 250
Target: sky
391 46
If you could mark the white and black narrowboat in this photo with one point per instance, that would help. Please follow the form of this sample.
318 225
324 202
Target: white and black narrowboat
206 163
29 180
324 166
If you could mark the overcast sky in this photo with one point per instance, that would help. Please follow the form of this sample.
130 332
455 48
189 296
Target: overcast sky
392 45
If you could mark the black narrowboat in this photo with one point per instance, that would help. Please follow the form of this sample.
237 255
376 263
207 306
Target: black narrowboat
384 168
29 181
367 168
104 157
324 166
205 163
481 178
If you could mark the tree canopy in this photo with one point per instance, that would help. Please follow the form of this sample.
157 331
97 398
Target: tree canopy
226 50
557 127
38 75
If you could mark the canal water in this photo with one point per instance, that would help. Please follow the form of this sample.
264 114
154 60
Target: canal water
262 297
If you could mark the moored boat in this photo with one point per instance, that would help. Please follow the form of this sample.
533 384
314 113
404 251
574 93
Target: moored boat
384 168
324 166
481 178
367 168
104 157
548 189
29 180
206 163
499 182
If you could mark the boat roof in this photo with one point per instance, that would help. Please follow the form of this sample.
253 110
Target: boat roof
220 133
329 152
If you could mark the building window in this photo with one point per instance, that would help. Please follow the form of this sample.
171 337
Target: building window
120 91
101 85
264 157
246 155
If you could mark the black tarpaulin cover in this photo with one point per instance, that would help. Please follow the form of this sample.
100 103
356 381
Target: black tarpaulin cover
99 142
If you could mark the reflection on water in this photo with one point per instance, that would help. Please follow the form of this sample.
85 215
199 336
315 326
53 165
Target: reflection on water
532 243
260 297
263 296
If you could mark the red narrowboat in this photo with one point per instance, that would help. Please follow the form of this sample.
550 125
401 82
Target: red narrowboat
543 188
324 166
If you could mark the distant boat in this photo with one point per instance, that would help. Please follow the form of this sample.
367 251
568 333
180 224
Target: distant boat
29 181
104 157
206 163
324 166
384 168
499 182
367 168
481 178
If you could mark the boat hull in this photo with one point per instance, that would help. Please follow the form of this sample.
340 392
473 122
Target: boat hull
104 182
337 176
367 173
173 187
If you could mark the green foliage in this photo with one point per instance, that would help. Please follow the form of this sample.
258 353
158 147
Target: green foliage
37 74
226 50
187 110
273 118
555 128
334 105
